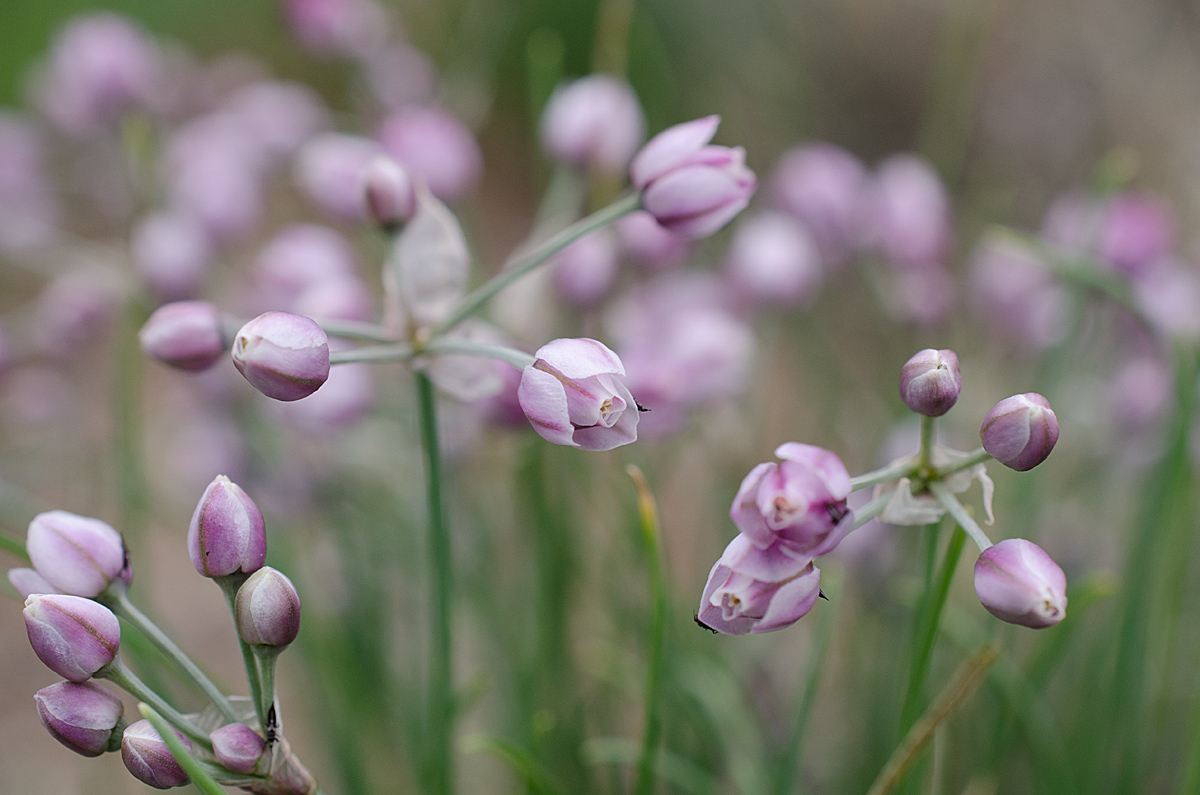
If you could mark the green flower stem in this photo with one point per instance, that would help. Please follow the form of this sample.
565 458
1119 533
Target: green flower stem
925 456
897 469
503 353
352 330
870 511
440 701
956 509
529 260
120 675
267 656
14 547
396 352
123 607
976 456
229 587
648 519
195 771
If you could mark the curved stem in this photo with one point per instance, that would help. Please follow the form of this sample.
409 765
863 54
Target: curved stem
896 469
127 610
648 518
536 256
353 330
925 456
976 456
503 353
195 771
870 511
229 587
120 675
396 352
956 509
267 656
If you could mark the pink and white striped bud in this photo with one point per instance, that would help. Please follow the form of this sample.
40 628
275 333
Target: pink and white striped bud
184 334
594 122
821 184
388 193
1020 431
774 260
286 357
147 757
1019 583
930 382
240 749
435 148
82 716
751 590
227 534
77 555
267 609
575 395
690 187
75 637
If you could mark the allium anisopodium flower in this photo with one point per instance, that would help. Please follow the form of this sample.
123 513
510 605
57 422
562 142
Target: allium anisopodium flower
1019 583
82 716
752 590
284 356
1020 431
76 554
75 637
267 609
227 534
574 394
185 335
930 382
147 757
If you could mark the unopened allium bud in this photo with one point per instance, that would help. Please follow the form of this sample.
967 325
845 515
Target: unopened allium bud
267 609
593 122
1020 431
388 193
239 748
227 534
690 187
147 757
1019 583
752 590
82 716
75 637
574 394
930 382
184 334
284 356
76 554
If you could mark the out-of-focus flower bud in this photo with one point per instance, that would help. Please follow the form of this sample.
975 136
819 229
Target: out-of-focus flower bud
574 394
585 270
82 716
773 259
227 534
798 504
388 192
100 66
239 748
29 211
1073 223
906 213
147 757
1168 297
1020 431
821 184
267 609
329 170
1019 583
172 253
647 243
690 187
594 122
400 75
430 262
76 554
28 582
214 172
76 308
752 590
337 27
75 637
1138 233
184 334
435 148
299 257
279 116
286 357
930 382
1013 289
1139 392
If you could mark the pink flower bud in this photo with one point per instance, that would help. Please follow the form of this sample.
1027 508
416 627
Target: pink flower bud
930 382
691 188
185 335
227 534
284 356
821 184
799 504
239 748
329 172
82 716
574 394
1020 431
172 253
299 258
752 590
278 116
594 122
906 213
76 554
1138 233
388 192
436 148
267 609
75 637
147 757
1019 583
337 27
647 243
585 271
28 582
774 259
1015 292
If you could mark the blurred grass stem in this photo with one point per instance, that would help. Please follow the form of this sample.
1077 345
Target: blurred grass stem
652 736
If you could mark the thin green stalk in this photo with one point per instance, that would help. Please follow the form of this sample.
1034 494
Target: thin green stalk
503 353
529 260
267 656
126 609
440 707
791 754
897 469
121 676
648 519
195 771
395 352
956 510
353 330
925 456
977 456
14 547
229 587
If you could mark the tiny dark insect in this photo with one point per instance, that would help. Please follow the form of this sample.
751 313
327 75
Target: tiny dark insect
640 407
821 594
272 726
696 618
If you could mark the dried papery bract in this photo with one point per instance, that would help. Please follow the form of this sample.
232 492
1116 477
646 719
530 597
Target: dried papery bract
430 262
